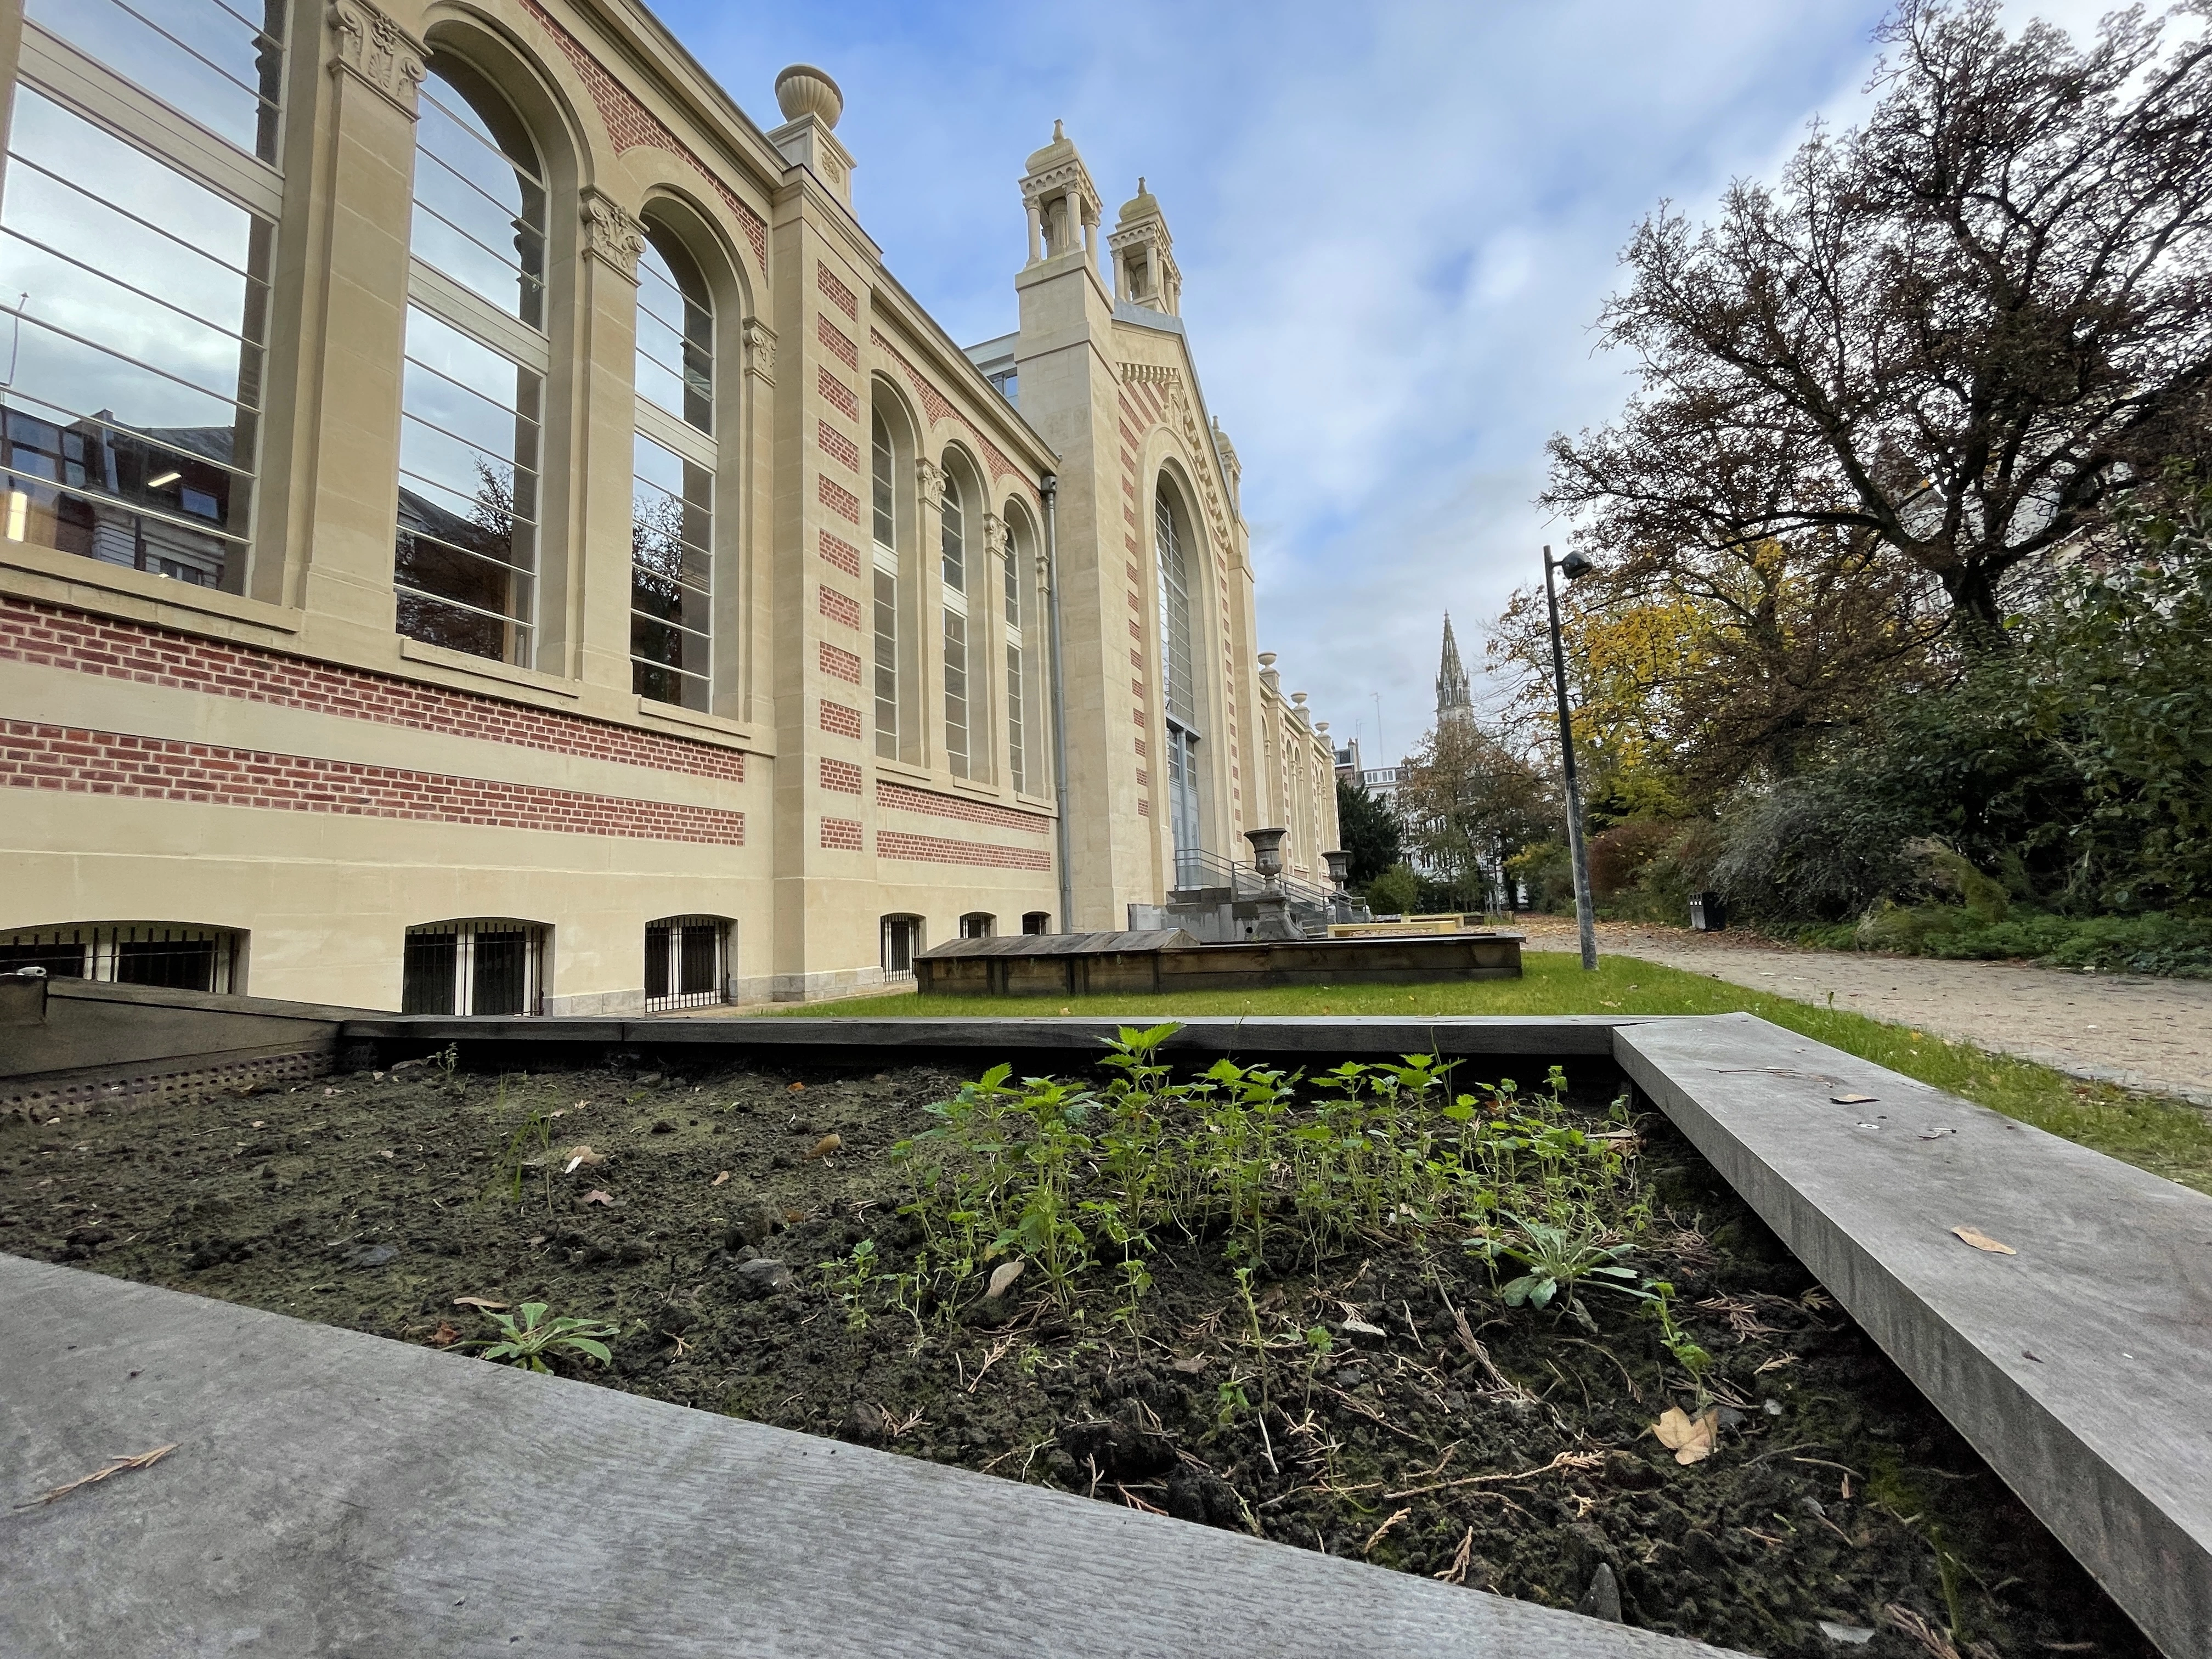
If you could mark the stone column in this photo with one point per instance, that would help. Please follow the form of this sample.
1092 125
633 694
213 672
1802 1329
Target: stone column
928 610
594 602
1037 230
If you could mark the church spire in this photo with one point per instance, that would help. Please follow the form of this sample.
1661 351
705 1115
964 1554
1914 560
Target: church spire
1453 702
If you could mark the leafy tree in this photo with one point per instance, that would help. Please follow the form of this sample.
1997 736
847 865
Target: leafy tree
1368 830
1395 891
1947 345
1468 803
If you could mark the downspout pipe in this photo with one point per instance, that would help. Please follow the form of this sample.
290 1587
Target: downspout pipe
1049 488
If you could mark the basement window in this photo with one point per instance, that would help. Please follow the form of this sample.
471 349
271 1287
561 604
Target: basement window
902 944
480 965
687 962
170 954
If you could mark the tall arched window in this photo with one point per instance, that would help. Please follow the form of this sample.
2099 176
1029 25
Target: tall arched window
1017 733
1179 693
466 554
882 459
137 281
672 493
954 520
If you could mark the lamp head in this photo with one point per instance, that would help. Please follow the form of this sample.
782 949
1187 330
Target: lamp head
1574 566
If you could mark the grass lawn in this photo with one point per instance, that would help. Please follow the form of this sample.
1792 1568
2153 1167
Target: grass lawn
2167 1137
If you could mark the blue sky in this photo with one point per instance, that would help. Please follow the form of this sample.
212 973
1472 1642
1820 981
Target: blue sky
1395 222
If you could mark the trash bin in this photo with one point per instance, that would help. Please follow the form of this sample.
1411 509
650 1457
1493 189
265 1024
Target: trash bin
1708 913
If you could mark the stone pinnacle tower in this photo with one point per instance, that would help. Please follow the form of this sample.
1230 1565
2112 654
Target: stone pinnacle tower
1453 702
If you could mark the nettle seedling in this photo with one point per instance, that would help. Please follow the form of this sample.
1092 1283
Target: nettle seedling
526 1338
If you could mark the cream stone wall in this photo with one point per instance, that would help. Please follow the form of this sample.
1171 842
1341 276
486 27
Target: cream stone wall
279 760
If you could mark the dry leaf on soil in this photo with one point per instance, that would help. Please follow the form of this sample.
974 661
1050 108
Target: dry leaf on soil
1691 1439
595 1196
1191 1364
1361 1327
583 1157
720 1179
1854 1100
798 1088
445 1336
1982 1241
479 1301
828 1145
1002 1277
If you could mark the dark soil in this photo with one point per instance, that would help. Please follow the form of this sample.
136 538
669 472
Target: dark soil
1523 1462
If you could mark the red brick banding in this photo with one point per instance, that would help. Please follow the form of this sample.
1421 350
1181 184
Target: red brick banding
838 499
841 835
839 296
840 664
842 776
78 760
840 553
838 343
840 721
840 608
836 446
898 797
836 391
49 637
936 849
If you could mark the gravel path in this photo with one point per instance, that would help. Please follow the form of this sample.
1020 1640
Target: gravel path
2151 1034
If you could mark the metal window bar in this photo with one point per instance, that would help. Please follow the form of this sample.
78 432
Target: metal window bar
481 965
902 940
685 963
178 958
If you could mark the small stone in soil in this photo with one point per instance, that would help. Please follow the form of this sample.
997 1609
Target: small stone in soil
763 1277
864 1423
371 1255
1603 1599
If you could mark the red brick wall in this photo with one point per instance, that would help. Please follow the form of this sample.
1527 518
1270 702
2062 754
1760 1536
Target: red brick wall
841 665
838 343
840 608
935 849
834 288
838 499
841 835
842 554
82 762
836 446
835 391
49 637
842 776
840 721
900 798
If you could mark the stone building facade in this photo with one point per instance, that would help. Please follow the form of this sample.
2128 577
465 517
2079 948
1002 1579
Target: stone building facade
485 531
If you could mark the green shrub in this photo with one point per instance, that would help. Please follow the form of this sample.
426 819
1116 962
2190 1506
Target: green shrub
1396 891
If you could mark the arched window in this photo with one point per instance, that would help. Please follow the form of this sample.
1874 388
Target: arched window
478 965
136 277
672 491
687 962
174 954
1180 694
1020 770
466 553
979 924
954 520
902 944
881 460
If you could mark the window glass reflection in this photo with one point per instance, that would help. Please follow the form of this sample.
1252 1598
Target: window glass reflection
675 333
220 64
479 196
128 406
672 585
466 551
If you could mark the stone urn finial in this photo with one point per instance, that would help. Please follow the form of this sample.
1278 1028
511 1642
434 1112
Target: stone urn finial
803 89
1267 851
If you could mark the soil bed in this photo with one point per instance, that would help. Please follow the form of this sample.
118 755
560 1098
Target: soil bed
1385 1401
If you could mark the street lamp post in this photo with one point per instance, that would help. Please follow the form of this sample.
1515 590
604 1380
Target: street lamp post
1585 919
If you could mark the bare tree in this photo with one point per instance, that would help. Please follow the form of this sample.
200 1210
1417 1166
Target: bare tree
1468 804
1950 341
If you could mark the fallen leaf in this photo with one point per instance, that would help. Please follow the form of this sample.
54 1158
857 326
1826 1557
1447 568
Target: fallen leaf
1002 1277
828 1145
445 1336
1854 1100
1982 1241
256 1124
583 1157
1691 1439
1361 1327
798 1088
385 1151
479 1301
720 1179
1063 1011
115 1466
535 1238
1191 1364
595 1196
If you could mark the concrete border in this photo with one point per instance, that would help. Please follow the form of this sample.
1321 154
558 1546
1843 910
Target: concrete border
2080 1368
337 1494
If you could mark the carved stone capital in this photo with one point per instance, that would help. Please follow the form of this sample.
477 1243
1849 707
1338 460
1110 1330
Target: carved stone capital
613 233
376 52
994 533
760 349
929 478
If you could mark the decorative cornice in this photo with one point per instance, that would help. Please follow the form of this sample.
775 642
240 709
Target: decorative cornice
760 350
611 233
376 52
